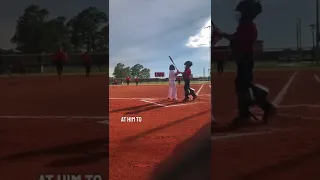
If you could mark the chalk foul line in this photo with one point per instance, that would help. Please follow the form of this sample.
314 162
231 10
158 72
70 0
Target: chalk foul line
284 90
197 93
172 105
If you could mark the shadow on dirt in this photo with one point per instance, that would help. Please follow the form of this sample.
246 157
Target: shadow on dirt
153 107
218 129
132 108
145 133
87 152
282 166
190 160
148 106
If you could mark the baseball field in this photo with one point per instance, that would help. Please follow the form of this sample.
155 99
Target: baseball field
54 127
287 148
137 147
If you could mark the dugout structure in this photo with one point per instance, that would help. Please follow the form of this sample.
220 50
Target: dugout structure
43 63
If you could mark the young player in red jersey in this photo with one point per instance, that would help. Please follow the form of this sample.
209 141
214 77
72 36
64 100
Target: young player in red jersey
137 81
128 80
87 63
60 58
187 78
242 44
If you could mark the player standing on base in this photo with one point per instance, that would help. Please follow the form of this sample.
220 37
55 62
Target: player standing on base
172 94
60 58
242 44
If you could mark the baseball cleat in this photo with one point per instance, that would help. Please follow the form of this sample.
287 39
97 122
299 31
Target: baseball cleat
195 97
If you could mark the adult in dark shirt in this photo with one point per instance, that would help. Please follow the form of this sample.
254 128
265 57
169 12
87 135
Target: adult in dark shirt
60 58
242 44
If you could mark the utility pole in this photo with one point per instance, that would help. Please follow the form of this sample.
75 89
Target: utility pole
317 29
312 26
297 34
204 72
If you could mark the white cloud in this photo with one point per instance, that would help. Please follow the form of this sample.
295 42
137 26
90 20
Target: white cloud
146 32
202 38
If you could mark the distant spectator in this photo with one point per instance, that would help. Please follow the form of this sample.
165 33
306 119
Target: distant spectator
22 68
128 80
87 63
60 59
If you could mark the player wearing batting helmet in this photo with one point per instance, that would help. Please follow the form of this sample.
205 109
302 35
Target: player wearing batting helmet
242 44
172 93
187 78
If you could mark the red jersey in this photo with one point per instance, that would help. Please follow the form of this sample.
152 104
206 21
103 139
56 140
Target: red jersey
245 38
60 56
128 79
86 58
187 74
137 80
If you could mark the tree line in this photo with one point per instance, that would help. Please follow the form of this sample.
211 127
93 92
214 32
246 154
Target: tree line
36 33
122 71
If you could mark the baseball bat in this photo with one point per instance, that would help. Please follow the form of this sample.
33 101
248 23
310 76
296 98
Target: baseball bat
173 62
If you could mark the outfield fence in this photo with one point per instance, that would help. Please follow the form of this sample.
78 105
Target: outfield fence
268 58
157 80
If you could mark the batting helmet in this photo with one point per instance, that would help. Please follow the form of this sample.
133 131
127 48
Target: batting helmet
249 9
188 63
171 67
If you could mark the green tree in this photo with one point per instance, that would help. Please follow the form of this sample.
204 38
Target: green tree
144 73
57 34
86 29
29 29
120 71
103 40
135 70
36 33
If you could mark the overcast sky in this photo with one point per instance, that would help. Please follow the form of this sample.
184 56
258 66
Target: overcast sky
277 22
148 31
12 9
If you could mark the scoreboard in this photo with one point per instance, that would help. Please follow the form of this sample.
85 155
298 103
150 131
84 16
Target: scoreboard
159 74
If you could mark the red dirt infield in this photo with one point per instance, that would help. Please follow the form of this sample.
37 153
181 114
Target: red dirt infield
288 147
49 126
136 148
